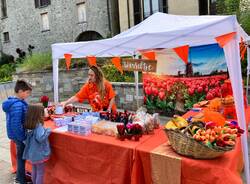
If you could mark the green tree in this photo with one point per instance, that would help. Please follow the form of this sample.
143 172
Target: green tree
240 8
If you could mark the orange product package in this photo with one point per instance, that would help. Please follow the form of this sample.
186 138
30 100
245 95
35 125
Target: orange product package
215 104
215 117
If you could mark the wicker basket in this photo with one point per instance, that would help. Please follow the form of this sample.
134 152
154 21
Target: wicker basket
185 145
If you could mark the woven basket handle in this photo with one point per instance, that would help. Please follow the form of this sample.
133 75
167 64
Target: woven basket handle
191 124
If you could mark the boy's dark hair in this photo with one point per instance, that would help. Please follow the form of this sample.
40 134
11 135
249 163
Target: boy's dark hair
22 85
34 116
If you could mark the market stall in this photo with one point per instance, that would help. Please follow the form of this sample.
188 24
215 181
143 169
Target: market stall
177 32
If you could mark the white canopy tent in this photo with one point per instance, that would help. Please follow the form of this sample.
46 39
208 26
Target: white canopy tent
168 31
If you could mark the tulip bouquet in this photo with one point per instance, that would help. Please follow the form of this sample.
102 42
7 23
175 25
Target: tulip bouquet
219 136
129 131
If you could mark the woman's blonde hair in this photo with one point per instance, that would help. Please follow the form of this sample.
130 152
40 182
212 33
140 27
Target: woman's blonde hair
34 116
99 80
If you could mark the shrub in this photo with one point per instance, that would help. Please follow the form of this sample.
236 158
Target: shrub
6 59
36 62
113 75
6 72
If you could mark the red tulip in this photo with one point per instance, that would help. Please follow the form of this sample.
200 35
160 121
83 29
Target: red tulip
191 91
155 91
162 95
200 89
148 90
209 96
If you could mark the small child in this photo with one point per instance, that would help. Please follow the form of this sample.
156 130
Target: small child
37 149
15 109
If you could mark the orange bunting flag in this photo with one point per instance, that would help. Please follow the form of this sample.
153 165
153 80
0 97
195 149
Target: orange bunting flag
117 62
149 55
91 60
182 52
242 53
224 39
241 43
67 60
243 48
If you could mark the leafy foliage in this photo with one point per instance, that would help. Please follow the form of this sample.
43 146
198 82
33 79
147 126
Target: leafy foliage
6 59
36 62
6 72
113 75
245 20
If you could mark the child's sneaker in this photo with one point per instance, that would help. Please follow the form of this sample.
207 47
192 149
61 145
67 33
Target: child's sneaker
15 181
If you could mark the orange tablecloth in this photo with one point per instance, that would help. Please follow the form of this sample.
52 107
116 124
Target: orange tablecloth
102 159
88 159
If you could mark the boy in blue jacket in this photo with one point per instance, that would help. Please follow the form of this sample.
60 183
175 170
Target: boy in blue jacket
15 109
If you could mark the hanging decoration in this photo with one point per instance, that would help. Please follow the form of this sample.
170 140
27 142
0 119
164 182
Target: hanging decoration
243 48
91 60
182 52
242 52
224 39
149 55
117 62
68 60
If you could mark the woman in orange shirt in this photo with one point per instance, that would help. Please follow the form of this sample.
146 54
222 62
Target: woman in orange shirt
97 91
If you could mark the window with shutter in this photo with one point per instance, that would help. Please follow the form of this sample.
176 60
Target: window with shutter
153 6
4 8
6 37
81 10
45 21
137 12
41 3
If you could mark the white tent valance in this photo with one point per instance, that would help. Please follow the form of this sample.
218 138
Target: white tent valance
168 31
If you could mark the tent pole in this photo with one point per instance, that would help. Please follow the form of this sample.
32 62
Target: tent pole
248 69
55 79
232 55
136 73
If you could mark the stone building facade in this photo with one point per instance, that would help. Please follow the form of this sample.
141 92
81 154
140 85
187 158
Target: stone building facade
41 23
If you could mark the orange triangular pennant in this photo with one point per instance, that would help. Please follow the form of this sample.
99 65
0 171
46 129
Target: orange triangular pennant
241 42
182 52
91 60
117 62
224 39
150 55
242 53
67 60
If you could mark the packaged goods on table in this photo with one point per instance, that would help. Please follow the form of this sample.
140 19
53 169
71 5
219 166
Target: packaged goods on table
105 127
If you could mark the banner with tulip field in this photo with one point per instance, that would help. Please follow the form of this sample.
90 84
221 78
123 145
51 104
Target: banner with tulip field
201 79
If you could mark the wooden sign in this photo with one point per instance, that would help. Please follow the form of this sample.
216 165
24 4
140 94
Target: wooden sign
142 65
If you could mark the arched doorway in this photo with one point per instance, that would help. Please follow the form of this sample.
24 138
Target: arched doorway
88 36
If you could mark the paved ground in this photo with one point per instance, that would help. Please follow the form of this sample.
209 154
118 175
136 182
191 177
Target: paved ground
5 173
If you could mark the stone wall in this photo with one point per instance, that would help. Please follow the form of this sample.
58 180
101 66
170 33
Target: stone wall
6 89
42 82
71 81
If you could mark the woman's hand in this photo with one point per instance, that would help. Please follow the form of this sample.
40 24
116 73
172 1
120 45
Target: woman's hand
71 100
109 109
63 104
